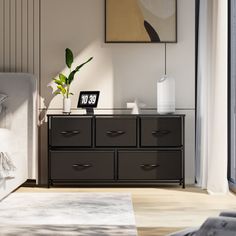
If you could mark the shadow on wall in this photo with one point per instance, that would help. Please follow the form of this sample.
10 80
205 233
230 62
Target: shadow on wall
80 32
96 75
46 105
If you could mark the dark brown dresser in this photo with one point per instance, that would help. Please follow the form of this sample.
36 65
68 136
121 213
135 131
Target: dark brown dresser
115 150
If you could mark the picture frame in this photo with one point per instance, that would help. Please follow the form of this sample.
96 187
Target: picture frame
140 21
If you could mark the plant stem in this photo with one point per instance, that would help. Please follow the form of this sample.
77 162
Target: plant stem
68 88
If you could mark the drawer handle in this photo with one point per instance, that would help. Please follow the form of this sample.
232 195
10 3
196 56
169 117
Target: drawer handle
115 132
82 165
148 166
72 132
160 132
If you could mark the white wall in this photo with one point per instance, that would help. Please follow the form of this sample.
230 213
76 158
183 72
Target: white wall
121 72
129 70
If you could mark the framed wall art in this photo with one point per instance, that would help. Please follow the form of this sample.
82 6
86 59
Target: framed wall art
140 21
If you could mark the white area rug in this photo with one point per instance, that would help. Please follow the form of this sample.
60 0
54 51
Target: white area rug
67 214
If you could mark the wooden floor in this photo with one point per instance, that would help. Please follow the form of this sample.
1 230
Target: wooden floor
159 211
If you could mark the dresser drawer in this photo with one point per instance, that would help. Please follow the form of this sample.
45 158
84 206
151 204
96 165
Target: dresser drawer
150 165
81 165
161 131
116 132
70 131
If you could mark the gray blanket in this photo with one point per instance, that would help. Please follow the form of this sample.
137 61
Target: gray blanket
224 225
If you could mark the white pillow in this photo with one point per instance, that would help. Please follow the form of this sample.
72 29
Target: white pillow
3 97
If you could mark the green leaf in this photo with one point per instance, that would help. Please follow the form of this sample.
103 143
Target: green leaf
71 76
69 57
57 92
62 89
63 78
58 82
81 65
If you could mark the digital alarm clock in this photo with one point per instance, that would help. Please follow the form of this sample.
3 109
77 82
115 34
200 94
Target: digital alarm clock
88 100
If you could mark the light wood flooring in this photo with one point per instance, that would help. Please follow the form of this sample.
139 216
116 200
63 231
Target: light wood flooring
159 211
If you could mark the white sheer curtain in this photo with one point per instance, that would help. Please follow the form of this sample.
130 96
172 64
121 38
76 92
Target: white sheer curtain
211 140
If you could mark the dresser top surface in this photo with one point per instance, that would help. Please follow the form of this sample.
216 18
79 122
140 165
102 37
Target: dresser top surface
113 112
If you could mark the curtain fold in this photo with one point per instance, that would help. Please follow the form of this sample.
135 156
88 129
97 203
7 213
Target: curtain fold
211 123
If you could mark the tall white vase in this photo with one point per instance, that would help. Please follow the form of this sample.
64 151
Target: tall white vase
66 105
166 95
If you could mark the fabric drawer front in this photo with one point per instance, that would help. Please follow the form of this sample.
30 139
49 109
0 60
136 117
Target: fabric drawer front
161 132
150 165
71 132
120 132
79 165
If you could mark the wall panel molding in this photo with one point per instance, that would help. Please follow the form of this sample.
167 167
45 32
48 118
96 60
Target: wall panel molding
1 33
19 36
6 34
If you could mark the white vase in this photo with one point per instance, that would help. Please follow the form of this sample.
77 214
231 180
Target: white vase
66 105
166 95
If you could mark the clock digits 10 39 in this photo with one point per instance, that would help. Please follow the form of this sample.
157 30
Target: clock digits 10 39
88 99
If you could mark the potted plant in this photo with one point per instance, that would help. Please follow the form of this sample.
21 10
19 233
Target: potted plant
63 82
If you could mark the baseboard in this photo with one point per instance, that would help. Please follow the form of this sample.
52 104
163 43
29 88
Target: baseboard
29 183
189 181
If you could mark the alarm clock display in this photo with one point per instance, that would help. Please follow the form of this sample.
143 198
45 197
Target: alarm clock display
88 99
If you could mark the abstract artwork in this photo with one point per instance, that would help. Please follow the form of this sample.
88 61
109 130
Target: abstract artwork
141 21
